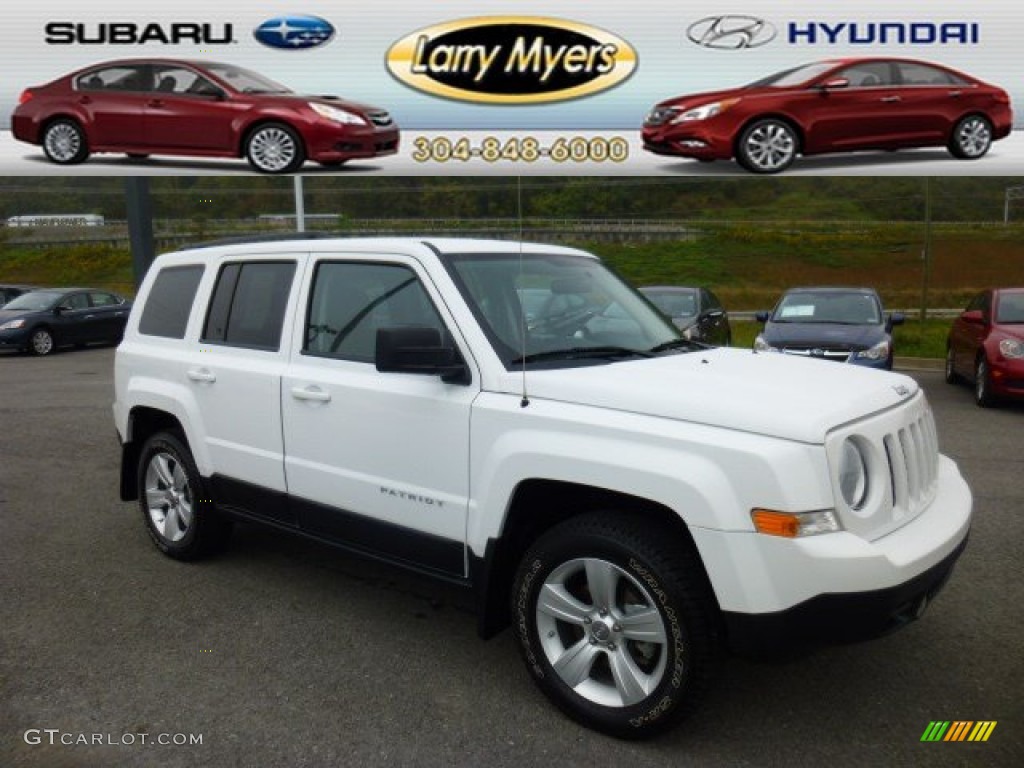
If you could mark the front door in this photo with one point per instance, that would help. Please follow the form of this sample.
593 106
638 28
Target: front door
375 461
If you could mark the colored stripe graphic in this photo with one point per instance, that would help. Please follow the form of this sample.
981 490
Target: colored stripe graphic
958 730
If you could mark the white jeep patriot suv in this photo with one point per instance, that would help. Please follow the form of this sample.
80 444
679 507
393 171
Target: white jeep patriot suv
516 419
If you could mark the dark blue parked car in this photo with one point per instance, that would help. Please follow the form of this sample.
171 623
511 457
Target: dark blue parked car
44 319
845 325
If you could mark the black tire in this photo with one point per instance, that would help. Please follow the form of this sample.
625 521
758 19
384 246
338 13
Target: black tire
166 468
983 383
41 341
64 142
654 573
275 148
768 145
950 369
971 138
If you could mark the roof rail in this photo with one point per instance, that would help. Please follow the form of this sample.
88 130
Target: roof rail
266 238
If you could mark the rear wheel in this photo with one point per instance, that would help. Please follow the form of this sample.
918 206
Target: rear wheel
64 142
971 138
616 623
178 512
951 375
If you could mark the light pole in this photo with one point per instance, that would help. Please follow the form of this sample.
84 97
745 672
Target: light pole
300 205
926 254
1012 193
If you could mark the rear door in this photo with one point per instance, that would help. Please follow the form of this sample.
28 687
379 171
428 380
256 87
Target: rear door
110 313
234 374
114 99
376 461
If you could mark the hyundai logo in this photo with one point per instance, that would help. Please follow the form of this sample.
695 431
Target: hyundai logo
294 32
731 33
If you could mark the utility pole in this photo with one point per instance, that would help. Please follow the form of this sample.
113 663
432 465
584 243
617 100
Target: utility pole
927 252
139 208
1012 193
300 205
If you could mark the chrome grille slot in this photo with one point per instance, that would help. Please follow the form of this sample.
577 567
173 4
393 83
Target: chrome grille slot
913 455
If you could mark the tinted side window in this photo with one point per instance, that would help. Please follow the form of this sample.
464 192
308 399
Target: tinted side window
248 304
120 78
921 74
104 299
712 301
870 74
351 301
76 301
170 302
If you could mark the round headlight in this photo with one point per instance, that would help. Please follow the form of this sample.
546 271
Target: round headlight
853 475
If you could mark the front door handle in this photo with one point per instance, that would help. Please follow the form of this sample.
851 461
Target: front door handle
956 94
311 392
202 374
890 99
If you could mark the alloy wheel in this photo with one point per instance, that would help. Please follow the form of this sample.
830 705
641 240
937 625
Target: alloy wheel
602 632
168 496
769 146
63 142
973 137
273 149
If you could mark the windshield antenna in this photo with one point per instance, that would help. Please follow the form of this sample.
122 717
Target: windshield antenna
522 313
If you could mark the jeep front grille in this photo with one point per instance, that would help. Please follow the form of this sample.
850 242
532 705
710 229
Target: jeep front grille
913 454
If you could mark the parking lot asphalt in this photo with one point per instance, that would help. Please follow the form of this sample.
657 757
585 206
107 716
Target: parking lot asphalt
285 653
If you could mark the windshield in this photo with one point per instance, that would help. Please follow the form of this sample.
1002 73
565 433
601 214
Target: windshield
1010 309
245 80
795 76
674 303
35 300
853 308
557 308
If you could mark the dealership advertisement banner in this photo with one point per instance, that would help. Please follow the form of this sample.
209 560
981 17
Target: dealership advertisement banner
500 87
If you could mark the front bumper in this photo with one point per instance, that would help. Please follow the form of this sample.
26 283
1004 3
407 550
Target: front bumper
329 143
1007 377
837 586
698 140
16 339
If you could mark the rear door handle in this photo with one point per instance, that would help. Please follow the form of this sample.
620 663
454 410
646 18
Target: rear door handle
155 103
202 374
890 99
312 392
85 100
956 94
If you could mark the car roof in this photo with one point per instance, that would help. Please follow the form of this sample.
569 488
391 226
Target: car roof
413 246
831 289
670 288
202 63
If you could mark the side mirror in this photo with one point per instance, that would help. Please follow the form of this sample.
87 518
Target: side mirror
975 316
420 351
762 317
896 318
835 83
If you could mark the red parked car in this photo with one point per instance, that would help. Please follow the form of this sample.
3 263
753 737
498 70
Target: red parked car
164 106
838 105
986 345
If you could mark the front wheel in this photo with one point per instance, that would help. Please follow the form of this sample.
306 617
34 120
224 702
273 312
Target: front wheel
275 148
983 384
616 623
64 142
767 146
41 342
179 514
971 138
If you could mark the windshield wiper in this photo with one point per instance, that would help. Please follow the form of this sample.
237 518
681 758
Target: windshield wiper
581 353
676 344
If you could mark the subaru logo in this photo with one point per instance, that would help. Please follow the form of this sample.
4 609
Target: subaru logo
294 32
731 33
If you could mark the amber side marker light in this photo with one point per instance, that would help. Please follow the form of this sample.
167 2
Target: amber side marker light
792 525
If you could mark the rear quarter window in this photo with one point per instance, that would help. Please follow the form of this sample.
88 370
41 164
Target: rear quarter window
170 301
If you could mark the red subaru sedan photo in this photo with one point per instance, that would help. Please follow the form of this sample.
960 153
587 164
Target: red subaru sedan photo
986 346
840 105
145 107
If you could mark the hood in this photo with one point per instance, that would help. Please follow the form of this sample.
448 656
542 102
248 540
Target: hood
823 334
331 101
696 99
6 315
773 395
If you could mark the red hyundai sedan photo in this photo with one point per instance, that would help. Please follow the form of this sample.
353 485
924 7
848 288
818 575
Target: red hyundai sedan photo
170 107
986 345
840 105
